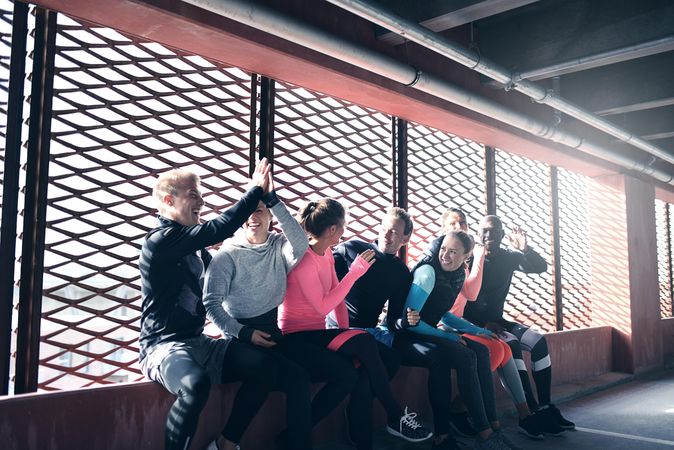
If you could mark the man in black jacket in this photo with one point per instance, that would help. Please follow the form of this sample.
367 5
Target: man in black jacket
389 280
173 349
487 310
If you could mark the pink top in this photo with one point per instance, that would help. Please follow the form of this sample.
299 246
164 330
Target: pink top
314 291
472 285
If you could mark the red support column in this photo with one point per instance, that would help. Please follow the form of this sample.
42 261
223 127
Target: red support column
624 270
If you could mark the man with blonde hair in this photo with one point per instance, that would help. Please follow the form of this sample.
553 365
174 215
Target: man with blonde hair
173 349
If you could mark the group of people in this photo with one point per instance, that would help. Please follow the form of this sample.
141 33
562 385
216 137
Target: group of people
297 306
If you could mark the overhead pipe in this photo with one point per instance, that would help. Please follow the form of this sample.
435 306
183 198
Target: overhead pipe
640 50
270 21
433 41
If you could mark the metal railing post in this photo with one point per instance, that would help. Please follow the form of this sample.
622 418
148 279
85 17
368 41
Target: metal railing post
37 179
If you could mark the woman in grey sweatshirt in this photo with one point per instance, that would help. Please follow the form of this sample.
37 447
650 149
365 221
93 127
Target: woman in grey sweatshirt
246 282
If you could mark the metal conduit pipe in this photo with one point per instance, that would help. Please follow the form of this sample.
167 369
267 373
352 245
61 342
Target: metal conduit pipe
431 40
272 22
643 49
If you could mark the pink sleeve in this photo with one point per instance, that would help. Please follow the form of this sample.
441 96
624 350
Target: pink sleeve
324 302
473 283
342 315
459 305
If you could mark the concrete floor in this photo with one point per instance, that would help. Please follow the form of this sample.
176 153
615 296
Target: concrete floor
638 414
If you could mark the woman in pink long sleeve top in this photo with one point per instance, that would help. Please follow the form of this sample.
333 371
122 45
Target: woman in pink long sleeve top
314 291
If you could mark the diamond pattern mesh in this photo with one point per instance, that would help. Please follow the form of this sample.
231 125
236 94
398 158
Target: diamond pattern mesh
124 111
574 250
443 171
325 147
522 192
663 213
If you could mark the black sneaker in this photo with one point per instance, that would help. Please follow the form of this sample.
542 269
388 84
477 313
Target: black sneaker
461 425
503 438
530 427
408 428
547 422
491 443
556 414
448 444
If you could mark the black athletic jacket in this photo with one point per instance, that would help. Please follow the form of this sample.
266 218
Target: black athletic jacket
172 263
497 275
387 279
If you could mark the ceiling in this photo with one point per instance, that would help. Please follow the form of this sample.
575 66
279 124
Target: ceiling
614 58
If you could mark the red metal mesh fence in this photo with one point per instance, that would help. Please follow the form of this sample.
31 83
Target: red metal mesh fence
444 171
574 250
664 235
124 111
325 147
523 198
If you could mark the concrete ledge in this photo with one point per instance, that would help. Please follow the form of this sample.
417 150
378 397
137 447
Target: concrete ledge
133 415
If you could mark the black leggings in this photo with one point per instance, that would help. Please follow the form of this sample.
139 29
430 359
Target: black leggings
359 412
473 375
260 372
191 384
363 348
323 365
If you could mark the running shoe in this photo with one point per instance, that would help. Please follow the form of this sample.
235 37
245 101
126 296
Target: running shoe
556 415
505 439
547 422
461 425
448 444
530 427
408 428
491 443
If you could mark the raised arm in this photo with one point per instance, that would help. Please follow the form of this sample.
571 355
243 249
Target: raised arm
422 285
324 302
177 242
296 244
529 261
473 284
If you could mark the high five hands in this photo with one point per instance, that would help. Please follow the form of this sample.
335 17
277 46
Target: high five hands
262 176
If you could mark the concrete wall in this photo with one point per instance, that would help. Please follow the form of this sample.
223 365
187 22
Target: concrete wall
667 329
127 416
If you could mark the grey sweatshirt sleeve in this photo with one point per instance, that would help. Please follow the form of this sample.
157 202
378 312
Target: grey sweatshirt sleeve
216 289
296 242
